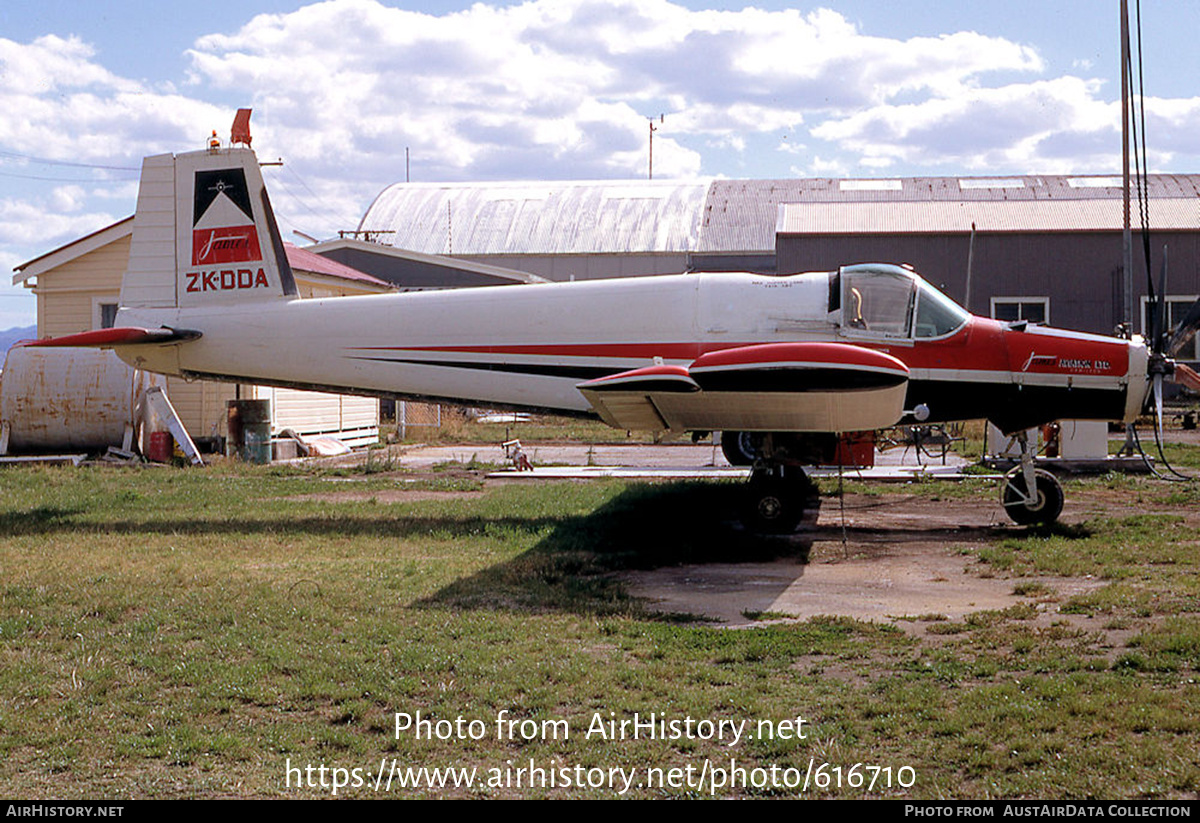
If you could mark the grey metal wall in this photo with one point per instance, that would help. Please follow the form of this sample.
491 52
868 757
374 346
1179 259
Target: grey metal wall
407 273
1080 273
562 267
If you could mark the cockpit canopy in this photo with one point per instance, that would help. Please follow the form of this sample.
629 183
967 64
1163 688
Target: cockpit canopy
882 300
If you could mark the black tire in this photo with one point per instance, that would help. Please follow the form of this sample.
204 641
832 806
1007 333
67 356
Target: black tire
741 448
1049 502
776 502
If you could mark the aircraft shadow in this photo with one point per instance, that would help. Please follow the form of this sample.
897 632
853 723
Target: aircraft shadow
38 520
584 564
574 567
577 567
50 520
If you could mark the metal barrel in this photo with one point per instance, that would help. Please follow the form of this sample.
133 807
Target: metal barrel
255 419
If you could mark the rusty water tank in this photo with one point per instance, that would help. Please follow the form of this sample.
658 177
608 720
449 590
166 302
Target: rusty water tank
55 399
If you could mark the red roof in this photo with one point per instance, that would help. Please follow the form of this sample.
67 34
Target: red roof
315 263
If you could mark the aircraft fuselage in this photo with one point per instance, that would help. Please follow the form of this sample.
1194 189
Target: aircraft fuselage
530 346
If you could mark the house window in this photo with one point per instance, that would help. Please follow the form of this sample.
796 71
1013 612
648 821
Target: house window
1011 309
1177 307
104 312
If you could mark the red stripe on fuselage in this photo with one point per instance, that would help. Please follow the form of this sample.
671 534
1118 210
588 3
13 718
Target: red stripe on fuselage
982 345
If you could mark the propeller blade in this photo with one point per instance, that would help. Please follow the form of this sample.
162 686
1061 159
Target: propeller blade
1187 327
1158 403
1160 308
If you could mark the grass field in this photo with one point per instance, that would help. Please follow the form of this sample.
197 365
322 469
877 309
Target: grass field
195 633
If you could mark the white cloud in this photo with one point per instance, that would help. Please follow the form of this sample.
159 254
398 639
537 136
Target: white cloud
73 109
547 89
1171 128
1048 126
563 88
51 63
554 89
67 198
821 167
17 304
40 224
30 228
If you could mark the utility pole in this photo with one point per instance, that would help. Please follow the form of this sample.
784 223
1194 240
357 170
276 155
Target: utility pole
653 129
970 267
1126 235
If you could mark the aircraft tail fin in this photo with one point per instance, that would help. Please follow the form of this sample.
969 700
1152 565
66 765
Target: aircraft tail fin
204 234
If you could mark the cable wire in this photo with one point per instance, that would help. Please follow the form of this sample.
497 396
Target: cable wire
48 162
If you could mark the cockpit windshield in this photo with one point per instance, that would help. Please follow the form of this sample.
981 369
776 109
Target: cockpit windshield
937 314
884 300
878 300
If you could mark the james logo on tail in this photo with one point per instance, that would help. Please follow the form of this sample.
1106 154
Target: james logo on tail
222 221
223 232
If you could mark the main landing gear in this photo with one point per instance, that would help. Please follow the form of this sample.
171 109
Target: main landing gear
777 497
1031 496
779 492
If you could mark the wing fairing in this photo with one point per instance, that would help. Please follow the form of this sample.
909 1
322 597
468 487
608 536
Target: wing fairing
768 387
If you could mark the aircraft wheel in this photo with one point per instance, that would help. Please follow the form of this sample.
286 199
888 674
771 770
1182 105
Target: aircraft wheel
740 448
776 503
1044 510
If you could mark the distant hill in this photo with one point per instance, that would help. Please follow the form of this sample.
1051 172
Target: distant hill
10 336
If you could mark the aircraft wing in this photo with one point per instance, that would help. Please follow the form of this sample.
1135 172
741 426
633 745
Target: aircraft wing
121 336
768 387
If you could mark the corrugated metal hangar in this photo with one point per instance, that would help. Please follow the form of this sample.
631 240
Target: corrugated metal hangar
558 230
1046 249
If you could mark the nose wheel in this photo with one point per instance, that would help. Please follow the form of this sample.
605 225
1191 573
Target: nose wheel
1031 497
1039 509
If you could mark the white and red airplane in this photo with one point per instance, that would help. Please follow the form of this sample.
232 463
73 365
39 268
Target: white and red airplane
798 360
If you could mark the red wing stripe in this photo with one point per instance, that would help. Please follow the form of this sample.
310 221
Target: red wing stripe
801 355
669 378
122 336
796 364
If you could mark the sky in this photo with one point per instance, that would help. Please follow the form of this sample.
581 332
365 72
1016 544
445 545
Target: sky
561 89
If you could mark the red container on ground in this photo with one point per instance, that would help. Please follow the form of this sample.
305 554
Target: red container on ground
162 447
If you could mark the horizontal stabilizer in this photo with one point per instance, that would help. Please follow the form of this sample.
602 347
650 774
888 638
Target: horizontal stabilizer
124 336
